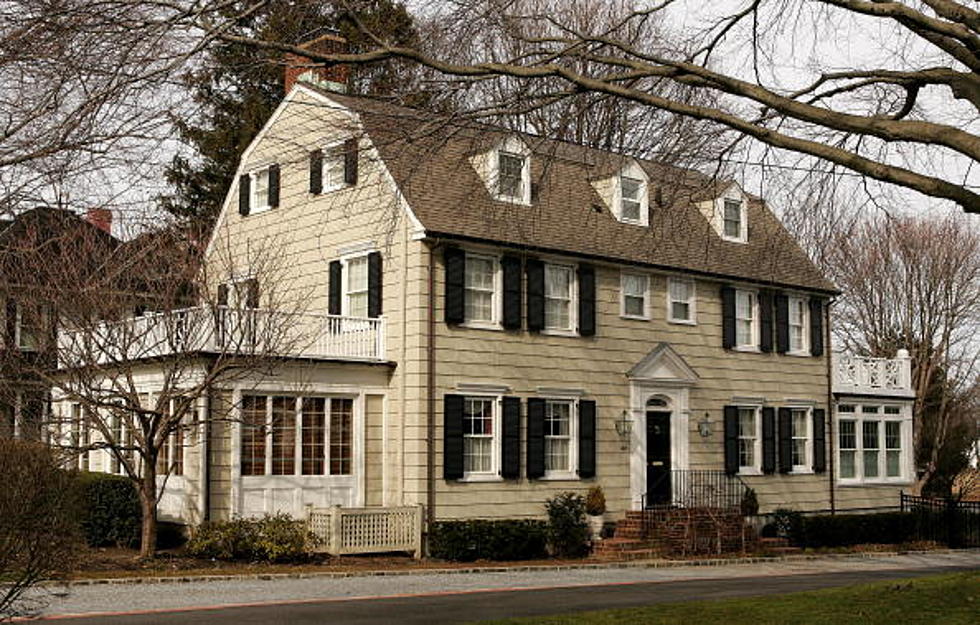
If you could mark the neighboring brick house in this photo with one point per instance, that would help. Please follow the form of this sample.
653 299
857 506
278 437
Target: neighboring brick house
32 282
500 317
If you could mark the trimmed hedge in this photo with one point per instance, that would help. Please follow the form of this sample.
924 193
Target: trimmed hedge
110 510
272 538
843 530
507 539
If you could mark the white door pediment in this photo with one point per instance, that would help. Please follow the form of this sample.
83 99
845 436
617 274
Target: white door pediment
663 365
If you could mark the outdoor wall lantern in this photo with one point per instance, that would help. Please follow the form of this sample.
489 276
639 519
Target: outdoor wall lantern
704 425
624 425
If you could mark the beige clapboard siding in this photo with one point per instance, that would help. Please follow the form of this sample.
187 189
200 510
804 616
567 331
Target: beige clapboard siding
598 365
373 450
219 450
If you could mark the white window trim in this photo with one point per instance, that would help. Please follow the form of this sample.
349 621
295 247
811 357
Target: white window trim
515 146
326 150
572 304
807 467
904 419
493 475
572 473
743 218
804 349
253 205
635 174
753 346
755 469
18 334
345 261
622 296
692 303
497 302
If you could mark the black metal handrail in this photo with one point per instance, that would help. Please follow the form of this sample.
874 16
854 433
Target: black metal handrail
697 488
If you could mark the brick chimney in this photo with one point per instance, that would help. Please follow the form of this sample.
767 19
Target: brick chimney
101 218
301 69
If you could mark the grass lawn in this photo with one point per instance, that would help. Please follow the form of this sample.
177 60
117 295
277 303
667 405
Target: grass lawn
947 599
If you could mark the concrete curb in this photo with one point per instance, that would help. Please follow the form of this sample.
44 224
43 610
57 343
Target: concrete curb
648 564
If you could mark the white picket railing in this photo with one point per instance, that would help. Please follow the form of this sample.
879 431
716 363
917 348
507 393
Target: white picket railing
224 330
873 376
341 531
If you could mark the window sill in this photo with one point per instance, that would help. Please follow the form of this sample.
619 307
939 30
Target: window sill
633 222
258 210
799 354
563 476
752 471
480 477
683 322
482 325
558 332
801 471
512 200
748 349
327 190
893 481
634 317
742 240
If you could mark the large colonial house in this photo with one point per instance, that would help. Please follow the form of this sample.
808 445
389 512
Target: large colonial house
495 317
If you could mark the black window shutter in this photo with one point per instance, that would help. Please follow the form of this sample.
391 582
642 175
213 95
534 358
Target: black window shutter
222 295
374 285
316 172
512 292
782 323
252 293
334 306
731 440
785 440
586 300
452 437
244 193
534 268
274 185
768 439
510 465
765 321
816 326
350 161
727 317
455 261
819 440
586 438
535 438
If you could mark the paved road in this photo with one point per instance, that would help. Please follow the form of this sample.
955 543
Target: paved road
468 597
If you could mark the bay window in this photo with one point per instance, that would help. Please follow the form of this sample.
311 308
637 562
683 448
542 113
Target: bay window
873 443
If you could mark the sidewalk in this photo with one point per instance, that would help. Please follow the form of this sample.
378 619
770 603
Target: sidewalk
102 598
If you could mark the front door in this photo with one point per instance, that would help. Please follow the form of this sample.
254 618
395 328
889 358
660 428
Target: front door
658 458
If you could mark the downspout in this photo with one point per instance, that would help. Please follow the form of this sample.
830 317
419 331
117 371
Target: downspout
430 435
205 458
830 409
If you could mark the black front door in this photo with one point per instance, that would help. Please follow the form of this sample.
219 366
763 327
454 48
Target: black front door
658 458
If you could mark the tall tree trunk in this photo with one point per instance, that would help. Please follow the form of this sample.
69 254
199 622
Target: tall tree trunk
148 504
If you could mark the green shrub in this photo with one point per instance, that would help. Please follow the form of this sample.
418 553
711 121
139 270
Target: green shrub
272 538
171 535
789 525
506 539
595 501
854 529
110 510
750 503
568 533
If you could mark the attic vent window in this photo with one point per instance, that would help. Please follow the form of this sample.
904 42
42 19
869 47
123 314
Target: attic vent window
631 201
510 175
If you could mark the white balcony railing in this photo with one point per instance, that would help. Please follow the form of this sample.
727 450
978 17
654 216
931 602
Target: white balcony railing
860 375
223 330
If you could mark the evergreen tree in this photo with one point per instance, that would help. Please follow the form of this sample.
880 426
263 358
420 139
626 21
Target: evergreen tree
240 86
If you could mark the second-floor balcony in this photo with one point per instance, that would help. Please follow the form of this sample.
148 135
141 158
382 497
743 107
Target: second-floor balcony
860 375
224 331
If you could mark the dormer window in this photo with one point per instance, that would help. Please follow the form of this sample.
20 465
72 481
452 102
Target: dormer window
510 176
733 219
631 200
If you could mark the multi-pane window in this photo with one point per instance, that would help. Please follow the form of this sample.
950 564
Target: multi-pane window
748 438
635 289
800 437
478 433
357 286
30 327
631 199
797 324
733 219
745 319
285 435
680 300
557 436
893 449
260 189
480 286
870 445
558 280
334 163
847 441
510 175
